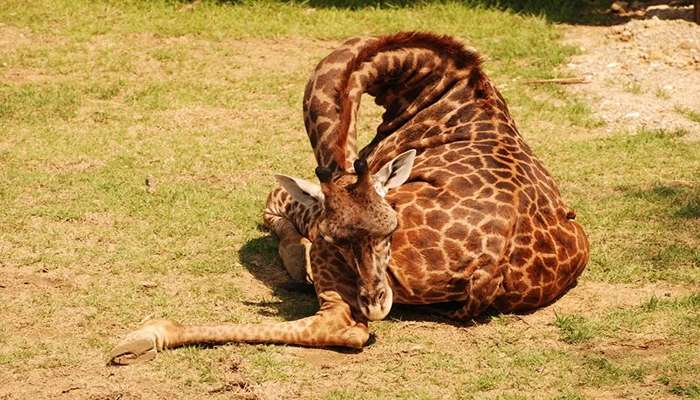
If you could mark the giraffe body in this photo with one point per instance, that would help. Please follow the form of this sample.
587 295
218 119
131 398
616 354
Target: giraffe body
447 203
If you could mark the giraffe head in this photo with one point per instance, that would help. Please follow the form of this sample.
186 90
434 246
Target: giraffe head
358 221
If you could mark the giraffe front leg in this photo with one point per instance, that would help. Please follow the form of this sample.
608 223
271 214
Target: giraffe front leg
144 343
484 287
337 323
331 326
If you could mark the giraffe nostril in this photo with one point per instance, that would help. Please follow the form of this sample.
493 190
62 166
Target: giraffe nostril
381 296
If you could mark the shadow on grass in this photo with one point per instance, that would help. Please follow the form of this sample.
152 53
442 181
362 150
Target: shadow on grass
682 202
577 12
671 205
298 300
585 12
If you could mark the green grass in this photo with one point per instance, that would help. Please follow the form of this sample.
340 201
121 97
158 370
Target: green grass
688 113
96 97
634 205
681 320
633 87
662 93
574 328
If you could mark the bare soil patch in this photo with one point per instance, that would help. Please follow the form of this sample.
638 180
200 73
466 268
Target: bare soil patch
643 73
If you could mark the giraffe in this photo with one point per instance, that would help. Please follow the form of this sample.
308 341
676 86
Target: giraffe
446 204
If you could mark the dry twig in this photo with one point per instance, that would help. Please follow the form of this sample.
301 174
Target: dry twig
560 81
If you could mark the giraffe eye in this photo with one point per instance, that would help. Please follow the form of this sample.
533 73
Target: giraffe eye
396 228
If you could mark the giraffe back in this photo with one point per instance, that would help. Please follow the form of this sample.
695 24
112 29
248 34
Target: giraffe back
477 197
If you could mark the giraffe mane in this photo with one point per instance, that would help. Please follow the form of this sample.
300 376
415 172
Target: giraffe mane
444 46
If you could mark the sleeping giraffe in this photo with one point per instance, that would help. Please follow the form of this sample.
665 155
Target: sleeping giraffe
446 204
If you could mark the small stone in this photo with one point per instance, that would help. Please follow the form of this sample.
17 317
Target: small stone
413 349
633 115
686 45
655 55
149 284
626 36
150 184
618 6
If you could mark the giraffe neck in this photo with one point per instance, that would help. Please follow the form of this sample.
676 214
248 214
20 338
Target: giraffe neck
306 221
405 72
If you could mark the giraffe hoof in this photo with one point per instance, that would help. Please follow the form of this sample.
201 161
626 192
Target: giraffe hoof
356 337
137 347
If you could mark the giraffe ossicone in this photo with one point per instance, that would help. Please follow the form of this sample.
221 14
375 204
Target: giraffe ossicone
447 203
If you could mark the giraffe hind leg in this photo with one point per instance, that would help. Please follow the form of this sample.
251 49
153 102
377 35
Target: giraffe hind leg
293 248
484 288
295 256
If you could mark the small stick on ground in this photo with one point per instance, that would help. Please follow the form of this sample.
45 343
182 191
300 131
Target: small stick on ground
70 389
560 81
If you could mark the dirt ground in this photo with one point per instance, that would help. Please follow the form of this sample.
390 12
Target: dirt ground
643 73
433 338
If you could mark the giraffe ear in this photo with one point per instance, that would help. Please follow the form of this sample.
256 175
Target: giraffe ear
304 192
394 173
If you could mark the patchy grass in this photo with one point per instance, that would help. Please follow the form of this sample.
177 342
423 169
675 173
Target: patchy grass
662 94
204 102
574 328
681 318
633 87
636 204
688 113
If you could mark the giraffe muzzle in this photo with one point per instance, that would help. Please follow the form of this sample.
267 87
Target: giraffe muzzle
377 306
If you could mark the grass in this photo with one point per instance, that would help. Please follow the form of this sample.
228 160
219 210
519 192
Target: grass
573 328
681 319
691 114
633 88
662 94
97 97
